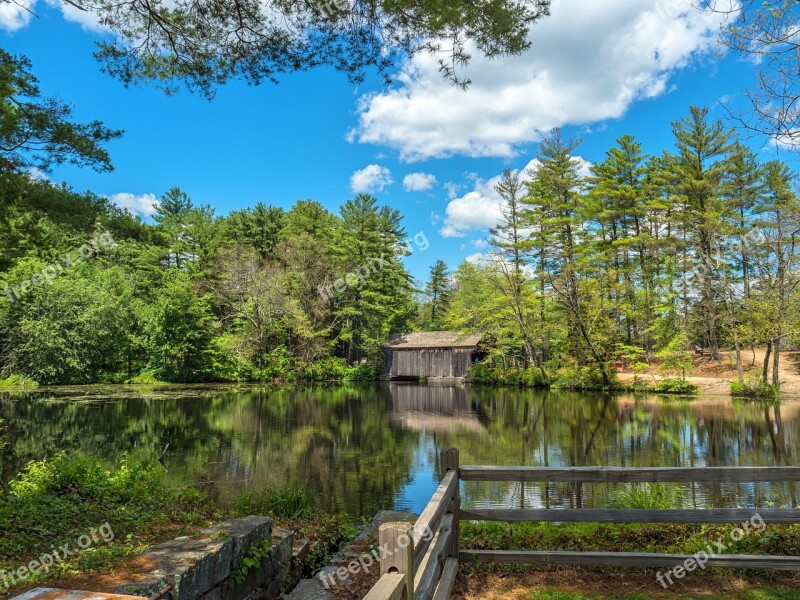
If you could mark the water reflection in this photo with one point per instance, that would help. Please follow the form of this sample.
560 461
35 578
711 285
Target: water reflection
363 448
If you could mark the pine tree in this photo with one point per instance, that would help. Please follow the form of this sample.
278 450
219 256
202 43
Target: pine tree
439 291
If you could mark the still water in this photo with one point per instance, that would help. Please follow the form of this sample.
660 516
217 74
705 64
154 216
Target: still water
362 448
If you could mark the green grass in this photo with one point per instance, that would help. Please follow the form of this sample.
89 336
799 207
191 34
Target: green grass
290 502
53 502
648 496
594 537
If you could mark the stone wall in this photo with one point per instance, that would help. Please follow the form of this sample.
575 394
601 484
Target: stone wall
239 559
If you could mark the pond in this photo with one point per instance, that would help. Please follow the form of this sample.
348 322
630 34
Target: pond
362 448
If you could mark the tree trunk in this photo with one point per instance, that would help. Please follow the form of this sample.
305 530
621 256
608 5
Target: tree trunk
776 357
766 362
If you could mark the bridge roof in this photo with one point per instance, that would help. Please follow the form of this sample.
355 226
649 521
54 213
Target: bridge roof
433 339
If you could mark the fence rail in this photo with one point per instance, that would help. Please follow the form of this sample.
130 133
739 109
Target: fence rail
420 560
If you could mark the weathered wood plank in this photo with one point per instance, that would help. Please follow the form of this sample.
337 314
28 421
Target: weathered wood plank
396 538
627 559
630 475
607 515
451 461
430 567
390 586
448 579
434 510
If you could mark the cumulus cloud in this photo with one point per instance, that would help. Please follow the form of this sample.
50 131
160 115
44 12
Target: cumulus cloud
144 205
16 15
88 20
479 209
589 61
419 182
372 178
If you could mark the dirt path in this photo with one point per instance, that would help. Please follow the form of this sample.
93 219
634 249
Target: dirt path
724 372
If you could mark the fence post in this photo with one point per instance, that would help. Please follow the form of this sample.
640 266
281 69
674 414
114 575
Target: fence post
398 557
450 463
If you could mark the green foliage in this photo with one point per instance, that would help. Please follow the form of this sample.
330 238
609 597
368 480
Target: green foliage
204 48
676 386
72 494
580 378
337 369
250 562
37 132
611 537
648 496
753 387
674 355
145 378
290 502
487 374
16 380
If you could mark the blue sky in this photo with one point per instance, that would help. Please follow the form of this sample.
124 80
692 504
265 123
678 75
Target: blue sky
599 69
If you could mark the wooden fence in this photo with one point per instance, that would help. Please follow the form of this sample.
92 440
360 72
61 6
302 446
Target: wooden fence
420 561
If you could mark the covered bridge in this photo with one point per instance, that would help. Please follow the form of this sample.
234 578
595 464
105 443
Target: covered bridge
430 354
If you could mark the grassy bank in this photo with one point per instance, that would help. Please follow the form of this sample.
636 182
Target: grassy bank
94 516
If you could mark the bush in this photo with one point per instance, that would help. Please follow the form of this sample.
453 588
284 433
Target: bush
145 378
675 386
484 373
17 380
648 496
753 387
54 501
336 369
581 378
489 375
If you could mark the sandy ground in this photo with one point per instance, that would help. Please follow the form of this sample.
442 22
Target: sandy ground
616 584
714 377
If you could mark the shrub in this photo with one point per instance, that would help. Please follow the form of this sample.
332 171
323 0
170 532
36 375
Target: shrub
753 387
336 369
581 378
363 373
483 373
145 378
675 385
489 375
55 500
18 380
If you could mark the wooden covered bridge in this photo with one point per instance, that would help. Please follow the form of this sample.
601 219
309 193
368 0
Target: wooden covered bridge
430 354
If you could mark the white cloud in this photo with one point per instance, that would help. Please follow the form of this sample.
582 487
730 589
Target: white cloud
37 174
589 61
144 205
372 178
88 20
419 182
479 209
479 258
16 15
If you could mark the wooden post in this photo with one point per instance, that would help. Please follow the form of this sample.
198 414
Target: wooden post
450 463
398 540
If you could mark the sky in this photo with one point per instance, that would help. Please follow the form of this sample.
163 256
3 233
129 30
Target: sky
598 69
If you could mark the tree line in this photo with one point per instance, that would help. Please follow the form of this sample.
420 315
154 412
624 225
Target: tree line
194 296
643 258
